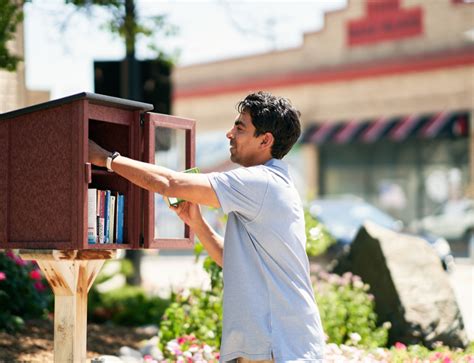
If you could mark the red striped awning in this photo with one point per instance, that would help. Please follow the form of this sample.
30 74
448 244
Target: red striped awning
405 127
397 129
348 131
324 132
435 124
375 130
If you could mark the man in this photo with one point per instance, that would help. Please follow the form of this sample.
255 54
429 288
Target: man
269 308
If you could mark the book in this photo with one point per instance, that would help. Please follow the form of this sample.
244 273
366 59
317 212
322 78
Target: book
101 215
92 216
120 217
112 218
107 217
173 201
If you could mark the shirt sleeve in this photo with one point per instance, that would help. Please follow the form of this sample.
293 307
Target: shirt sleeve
241 190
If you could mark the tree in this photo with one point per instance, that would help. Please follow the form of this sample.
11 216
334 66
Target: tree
11 15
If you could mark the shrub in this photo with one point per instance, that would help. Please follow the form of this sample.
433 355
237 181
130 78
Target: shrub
127 305
347 311
400 353
24 293
195 311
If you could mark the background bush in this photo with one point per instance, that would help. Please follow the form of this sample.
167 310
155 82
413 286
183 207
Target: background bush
127 305
24 293
348 310
195 311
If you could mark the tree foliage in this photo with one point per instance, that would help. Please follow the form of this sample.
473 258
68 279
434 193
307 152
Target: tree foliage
11 15
123 21
127 24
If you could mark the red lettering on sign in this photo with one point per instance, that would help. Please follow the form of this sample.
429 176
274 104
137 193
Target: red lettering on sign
385 21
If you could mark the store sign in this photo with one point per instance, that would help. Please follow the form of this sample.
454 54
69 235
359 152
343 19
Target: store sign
385 20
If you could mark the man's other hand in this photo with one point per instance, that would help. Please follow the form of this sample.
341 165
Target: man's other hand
189 213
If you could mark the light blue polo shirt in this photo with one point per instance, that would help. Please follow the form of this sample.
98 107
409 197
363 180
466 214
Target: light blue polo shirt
269 307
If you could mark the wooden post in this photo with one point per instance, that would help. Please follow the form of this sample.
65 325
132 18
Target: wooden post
70 275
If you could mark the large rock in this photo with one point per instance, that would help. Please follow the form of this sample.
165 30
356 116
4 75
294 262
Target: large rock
410 287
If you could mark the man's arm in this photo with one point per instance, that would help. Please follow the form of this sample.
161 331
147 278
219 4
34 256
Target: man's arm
195 188
211 241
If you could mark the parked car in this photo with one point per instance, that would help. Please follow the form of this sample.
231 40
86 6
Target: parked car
453 221
343 218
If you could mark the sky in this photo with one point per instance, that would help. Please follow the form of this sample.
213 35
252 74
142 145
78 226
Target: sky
61 44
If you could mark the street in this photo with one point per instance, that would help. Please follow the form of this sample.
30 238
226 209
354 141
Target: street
462 281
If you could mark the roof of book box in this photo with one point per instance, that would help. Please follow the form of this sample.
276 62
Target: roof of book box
92 97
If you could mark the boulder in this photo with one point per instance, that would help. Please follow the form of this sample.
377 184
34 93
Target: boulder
410 287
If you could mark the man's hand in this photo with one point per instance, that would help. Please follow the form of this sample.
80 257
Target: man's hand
97 155
189 213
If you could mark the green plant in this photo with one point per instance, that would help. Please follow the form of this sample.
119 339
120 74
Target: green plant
318 238
400 353
196 311
347 311
127 305
23 291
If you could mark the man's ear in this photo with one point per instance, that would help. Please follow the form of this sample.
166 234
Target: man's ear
267 140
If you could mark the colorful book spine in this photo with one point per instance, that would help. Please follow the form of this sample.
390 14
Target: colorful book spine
120 216
101 216
107 217
92 216
112 219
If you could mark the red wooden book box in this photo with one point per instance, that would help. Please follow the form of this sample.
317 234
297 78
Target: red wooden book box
45 174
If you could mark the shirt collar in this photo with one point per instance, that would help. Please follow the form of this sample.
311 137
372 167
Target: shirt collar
277 163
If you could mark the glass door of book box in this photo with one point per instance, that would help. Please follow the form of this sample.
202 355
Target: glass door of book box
169 142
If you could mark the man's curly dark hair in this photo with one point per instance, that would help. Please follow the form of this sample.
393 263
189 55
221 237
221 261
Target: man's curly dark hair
275 115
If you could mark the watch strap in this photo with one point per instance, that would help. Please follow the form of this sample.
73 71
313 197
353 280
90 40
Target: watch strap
110 159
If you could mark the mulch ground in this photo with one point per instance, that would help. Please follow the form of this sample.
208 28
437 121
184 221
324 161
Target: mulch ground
35 342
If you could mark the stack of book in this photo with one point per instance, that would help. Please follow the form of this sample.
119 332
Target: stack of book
105 216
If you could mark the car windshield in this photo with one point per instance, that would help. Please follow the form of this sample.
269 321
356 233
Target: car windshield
343 218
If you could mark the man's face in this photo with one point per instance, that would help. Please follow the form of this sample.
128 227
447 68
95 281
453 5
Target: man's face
244 145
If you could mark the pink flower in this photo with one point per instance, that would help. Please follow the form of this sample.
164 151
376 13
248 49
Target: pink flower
447 360
400 346
39 286
35 275
2 276
10 254
181 340
19 261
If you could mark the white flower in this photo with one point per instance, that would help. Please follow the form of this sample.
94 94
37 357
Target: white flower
314 232
355 337
172 345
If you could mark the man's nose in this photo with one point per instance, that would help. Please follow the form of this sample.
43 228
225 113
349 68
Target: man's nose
229 134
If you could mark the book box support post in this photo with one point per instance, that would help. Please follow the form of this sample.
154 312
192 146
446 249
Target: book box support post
70 274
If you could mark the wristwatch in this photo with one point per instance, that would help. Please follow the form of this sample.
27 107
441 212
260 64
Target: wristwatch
111 158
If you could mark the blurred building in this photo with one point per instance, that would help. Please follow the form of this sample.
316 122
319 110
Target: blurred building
13 91
386 92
